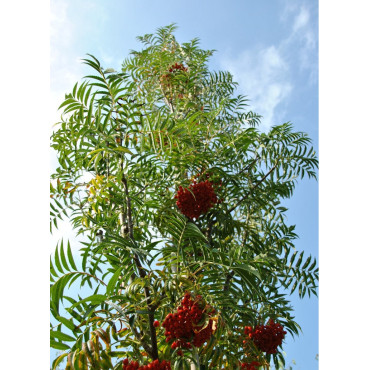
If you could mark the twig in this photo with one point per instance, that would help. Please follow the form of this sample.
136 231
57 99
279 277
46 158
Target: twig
229 276
253 188
145 346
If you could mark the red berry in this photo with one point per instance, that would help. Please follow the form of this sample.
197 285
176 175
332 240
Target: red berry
197 200
254 365
182 325
155 365
266 337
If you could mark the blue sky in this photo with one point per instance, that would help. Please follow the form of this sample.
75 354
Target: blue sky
271 48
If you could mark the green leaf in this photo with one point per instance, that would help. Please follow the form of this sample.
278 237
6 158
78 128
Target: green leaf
95 151
57 261
52 270
298 263
74 89
70 257
306 263
118 308
192 231
68 323
62 336
122 149
131 320
113 281
94 299
250 269
82 361
62 256
58 360
58 345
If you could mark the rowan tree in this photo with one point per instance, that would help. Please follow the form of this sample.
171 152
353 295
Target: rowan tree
187 254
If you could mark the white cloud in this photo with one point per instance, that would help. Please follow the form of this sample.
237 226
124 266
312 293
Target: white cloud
59 21
301 20
68 39
65 67
263 76
303 36
264 73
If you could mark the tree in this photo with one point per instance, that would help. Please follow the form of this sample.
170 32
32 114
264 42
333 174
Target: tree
187 253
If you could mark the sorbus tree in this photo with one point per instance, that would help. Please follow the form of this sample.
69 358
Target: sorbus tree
187 252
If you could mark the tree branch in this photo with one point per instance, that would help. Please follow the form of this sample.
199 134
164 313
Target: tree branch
208 233
248 167
145 346
229 276
253 188
264 177
142 273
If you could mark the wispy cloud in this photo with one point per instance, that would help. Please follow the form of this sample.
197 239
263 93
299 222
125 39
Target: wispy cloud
264 73
65 67
303 36
301 20
69 38
263 76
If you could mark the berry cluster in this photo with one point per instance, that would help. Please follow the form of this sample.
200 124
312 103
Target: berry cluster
254 365
266 337
184 325
197 200
155 365
171 89
177 67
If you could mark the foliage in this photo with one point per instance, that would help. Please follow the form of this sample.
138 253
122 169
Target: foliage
126 143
